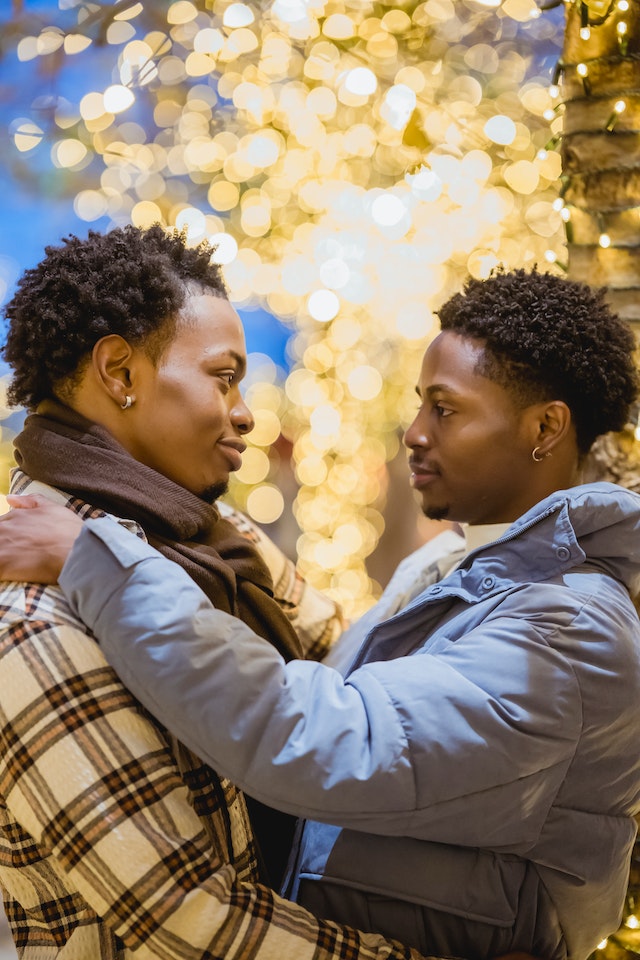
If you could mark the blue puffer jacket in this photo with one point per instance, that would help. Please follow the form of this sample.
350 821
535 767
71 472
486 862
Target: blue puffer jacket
481 761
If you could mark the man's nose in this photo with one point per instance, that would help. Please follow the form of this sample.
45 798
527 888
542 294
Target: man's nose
241 416
416 435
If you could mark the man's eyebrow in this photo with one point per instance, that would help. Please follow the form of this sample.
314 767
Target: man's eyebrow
238 358
240 361
435 388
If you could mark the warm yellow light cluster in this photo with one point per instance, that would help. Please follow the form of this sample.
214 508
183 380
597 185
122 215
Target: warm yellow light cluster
352 162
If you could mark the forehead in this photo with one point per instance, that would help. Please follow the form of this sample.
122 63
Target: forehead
451 370
452 359
209 325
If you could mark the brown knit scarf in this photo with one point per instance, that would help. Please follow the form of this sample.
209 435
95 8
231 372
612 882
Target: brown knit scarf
59 447
63 449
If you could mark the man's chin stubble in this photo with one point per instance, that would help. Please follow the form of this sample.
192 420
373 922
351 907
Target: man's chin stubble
436 513
214 492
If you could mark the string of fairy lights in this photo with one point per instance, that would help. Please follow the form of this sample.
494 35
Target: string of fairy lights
594 15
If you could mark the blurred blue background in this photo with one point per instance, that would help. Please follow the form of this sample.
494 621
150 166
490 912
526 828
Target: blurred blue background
37 208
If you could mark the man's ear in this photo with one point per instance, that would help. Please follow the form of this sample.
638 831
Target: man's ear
112 359
554 423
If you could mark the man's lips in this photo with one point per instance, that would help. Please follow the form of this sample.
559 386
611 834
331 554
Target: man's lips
422 474
233 448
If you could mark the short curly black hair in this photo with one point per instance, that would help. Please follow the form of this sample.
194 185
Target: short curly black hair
129 281
547 337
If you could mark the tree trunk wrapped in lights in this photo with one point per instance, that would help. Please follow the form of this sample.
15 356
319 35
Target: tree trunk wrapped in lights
600 74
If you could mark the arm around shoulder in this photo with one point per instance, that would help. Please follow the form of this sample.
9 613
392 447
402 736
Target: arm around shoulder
383 751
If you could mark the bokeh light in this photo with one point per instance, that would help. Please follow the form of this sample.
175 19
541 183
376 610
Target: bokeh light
351 165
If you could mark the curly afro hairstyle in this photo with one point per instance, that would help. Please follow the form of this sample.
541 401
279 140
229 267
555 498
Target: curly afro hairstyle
549 338
130 282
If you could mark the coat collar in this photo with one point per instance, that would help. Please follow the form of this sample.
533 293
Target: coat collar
598 523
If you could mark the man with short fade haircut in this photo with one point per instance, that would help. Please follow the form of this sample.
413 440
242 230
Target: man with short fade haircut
115 840
470 778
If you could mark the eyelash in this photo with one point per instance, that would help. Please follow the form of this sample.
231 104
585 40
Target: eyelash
441 411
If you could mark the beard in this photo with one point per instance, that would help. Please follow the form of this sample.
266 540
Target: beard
214 492
436 513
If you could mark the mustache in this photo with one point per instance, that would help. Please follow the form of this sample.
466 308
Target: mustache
423 466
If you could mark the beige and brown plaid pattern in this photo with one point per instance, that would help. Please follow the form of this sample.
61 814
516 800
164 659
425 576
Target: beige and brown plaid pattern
316 618
115 841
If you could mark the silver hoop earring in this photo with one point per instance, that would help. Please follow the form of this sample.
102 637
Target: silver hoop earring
128 402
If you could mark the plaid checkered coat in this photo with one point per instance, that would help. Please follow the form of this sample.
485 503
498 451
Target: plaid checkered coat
115 840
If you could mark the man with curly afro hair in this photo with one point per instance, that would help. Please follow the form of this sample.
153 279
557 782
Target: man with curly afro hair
586 360
128 282
469 756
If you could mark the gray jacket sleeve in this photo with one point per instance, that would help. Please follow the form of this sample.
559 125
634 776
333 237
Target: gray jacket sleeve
389 750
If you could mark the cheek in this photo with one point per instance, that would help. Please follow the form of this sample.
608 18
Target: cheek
181 402
491 435
170 432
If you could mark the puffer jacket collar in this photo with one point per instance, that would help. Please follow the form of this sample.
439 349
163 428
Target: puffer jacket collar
596 524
